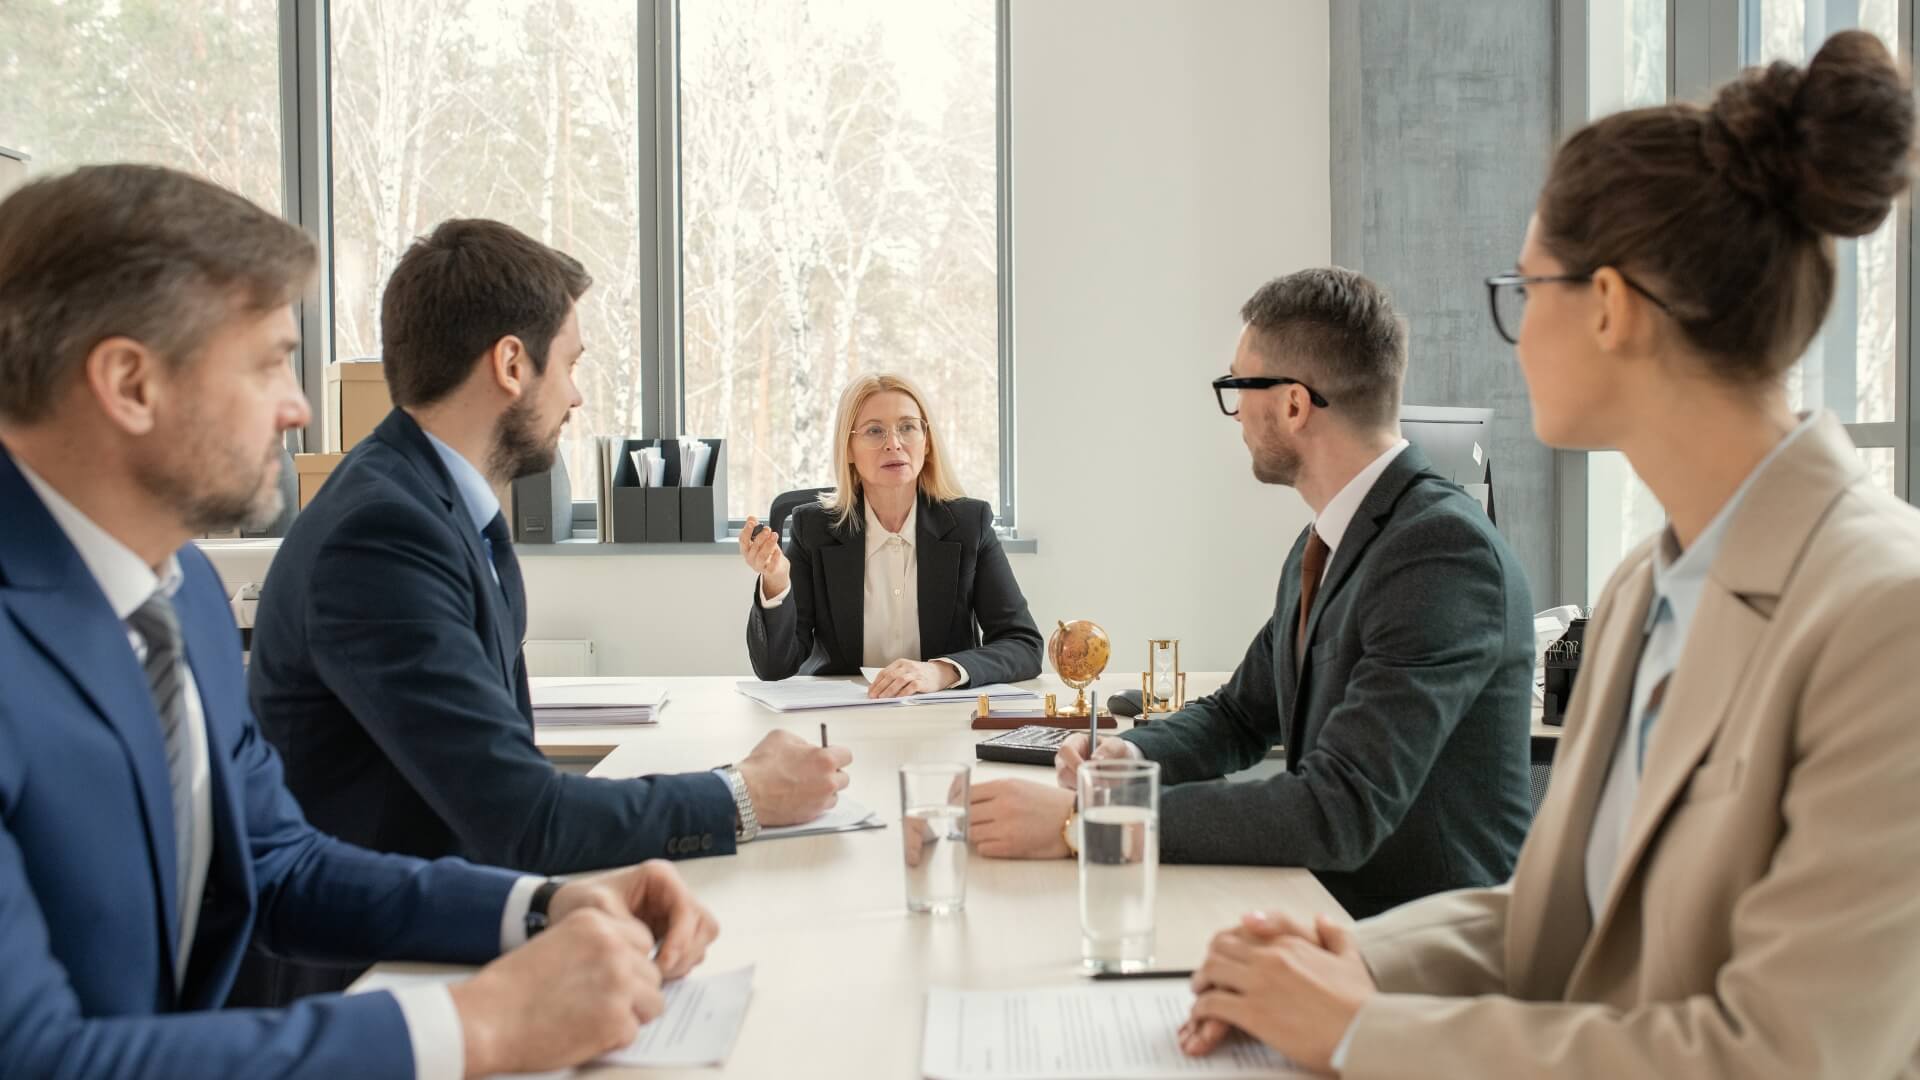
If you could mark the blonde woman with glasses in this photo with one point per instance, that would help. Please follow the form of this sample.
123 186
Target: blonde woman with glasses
893 569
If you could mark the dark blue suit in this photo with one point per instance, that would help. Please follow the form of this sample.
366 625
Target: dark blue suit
87 904
387 672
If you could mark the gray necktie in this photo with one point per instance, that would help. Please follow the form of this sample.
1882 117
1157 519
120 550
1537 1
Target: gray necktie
157 624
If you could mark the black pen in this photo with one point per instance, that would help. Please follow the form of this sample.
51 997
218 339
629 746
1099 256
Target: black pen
823 736
1114 976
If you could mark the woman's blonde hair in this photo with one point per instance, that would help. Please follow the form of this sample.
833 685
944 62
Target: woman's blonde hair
935 481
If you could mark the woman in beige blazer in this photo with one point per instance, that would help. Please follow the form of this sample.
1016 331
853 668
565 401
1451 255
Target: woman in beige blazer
1724 880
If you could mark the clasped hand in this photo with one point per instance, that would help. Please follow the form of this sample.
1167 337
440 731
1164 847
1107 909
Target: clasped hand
1292 985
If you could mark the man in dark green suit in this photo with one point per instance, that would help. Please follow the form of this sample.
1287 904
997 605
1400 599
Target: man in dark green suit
1397 668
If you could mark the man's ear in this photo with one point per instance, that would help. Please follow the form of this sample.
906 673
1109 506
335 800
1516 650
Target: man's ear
124 378
511 367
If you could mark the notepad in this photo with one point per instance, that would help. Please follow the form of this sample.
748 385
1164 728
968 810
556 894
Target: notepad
1124 1031
698 1028
623 702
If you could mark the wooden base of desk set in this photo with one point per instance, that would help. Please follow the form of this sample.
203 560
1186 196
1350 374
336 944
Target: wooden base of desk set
1047 715
1009 719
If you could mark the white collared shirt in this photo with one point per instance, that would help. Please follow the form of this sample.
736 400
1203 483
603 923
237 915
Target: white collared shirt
1337 515
890 605
433 1024
891 629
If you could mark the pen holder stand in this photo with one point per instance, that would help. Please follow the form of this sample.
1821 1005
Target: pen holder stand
1559 670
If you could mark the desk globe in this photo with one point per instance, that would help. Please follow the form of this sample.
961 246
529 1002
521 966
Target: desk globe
1079 652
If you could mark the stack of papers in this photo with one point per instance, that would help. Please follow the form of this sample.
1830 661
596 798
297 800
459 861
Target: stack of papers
796 695
1124 1031
626 702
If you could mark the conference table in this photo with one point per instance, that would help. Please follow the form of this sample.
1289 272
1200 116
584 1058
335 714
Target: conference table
841 967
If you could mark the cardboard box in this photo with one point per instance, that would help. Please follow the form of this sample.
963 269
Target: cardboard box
313 470
356 402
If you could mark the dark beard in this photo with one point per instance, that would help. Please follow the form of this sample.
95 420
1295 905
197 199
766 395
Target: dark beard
518 449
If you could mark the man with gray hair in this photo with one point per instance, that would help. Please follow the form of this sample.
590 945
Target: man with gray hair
1396 670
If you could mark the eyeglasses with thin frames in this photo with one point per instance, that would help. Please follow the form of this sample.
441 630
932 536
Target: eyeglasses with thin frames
1226 389
1507 297
910 431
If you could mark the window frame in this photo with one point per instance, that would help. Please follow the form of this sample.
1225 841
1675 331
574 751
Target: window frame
1707 42
306 112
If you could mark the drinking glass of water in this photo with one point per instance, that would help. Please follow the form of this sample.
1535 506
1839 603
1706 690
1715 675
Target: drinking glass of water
933 830
1119 859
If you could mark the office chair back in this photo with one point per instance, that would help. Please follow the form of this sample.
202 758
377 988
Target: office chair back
1542 768
785 503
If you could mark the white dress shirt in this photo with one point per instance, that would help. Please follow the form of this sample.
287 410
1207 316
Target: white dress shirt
1337 515
890 608
433 1025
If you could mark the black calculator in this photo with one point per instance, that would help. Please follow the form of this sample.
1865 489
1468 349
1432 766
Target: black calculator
1034 744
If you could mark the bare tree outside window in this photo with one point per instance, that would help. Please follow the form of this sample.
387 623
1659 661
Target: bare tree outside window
838 170
525 111
192 84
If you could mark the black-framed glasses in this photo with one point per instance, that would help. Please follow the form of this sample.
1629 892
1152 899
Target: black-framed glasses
1227 389
1507 297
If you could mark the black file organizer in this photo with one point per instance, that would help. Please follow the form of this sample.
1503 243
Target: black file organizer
671 514
629 500
703 499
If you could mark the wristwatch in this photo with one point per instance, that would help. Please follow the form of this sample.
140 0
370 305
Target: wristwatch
746 824
1070 833
537 907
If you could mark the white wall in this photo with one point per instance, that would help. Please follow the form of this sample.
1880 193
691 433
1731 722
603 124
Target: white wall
1168 157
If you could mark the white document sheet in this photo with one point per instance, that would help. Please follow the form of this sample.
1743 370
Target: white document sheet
795 695
1122 1030
995 691
846 816
699 1027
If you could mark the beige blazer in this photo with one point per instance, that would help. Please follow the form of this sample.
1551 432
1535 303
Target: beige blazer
1765 920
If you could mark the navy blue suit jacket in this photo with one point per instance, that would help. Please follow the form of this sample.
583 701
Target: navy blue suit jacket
386 672
87 904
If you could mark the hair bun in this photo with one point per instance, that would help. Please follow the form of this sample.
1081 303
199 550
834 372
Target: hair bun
1828 144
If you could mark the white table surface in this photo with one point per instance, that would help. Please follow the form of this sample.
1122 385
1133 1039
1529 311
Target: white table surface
842 967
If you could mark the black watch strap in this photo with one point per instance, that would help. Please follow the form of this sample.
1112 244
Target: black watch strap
537 907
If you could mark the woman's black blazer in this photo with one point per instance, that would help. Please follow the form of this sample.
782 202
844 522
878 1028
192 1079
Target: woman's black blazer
971 610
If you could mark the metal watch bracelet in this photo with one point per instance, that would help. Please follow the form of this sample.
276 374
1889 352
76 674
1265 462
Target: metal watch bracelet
746 824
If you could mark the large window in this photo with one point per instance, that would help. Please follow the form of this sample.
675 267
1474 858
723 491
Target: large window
837 173
771 195
194 84
826 192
